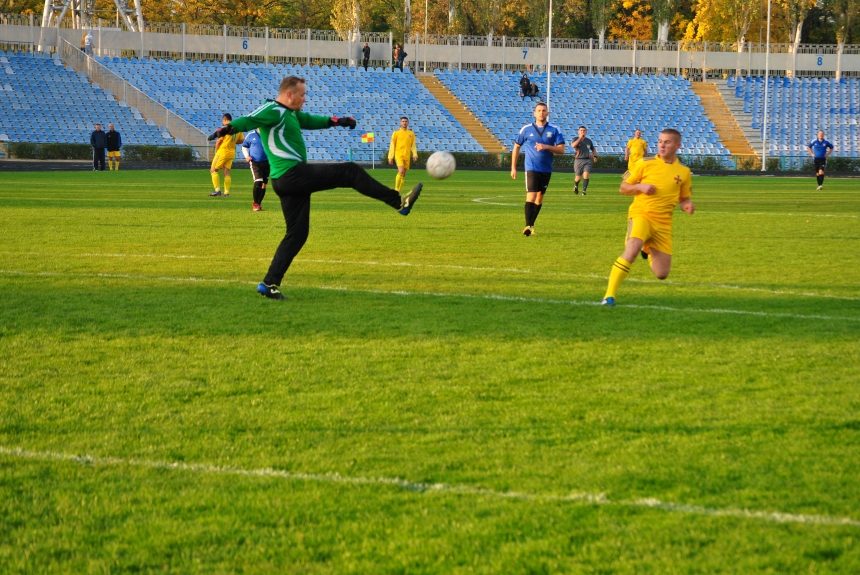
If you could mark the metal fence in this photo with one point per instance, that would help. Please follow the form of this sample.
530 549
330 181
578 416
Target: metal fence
177 126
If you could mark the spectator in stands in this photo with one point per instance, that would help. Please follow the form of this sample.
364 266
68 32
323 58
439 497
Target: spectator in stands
534 90
525 85
114 143
397 56
401 56
365 56
98 140
88 44
584 154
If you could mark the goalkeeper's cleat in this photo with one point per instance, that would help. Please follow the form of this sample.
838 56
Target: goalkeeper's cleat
269 291
216 193
407 203
528 231
256 207
608 301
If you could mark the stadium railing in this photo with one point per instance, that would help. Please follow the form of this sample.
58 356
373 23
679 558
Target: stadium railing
178 127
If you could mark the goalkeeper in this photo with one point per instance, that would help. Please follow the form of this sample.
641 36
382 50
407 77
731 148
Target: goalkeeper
294 180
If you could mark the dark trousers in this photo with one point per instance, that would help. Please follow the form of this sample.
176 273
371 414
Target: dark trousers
365 62
295 187
99 159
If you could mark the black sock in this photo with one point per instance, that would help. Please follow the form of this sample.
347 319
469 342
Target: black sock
259 192
575 184
537 211
820 180
585 184
530 213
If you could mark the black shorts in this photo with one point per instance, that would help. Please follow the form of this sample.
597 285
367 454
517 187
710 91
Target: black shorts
537 181
260 171
819 164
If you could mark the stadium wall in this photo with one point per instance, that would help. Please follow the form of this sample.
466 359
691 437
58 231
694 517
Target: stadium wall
231 43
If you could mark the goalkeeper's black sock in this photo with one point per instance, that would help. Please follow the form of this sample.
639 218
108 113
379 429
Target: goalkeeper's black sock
820 180
259 192
537 211
584 184
530 213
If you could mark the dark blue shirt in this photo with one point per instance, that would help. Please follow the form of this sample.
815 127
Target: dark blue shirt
255 147
819 148
530 134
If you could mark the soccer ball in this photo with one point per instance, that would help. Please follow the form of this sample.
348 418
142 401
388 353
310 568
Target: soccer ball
440 165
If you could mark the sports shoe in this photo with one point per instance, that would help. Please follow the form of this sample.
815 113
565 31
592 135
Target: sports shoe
819 187
532 228
608 301
576 189
583 192
528 231
407 203
257 207
216 193
270 291
226 194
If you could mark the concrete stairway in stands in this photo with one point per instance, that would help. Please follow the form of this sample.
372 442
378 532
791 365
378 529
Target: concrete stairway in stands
730 131
462 114
744 120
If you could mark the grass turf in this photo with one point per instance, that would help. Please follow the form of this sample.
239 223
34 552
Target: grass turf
439 348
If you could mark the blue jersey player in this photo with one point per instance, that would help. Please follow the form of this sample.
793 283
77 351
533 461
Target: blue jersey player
255 155
819 149
540 140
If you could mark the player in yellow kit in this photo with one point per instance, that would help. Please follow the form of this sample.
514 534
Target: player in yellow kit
402 145
225 153
656 184
635 150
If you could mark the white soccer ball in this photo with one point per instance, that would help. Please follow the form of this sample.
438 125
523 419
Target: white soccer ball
440 165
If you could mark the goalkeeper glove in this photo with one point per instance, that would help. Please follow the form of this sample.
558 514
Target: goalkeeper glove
222 131
345 122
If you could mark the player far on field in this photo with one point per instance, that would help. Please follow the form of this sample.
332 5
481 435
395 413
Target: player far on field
657 184
281 122
540 140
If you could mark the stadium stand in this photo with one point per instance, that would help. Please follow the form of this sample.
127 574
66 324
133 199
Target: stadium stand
43 101
612 106
799 107
202 91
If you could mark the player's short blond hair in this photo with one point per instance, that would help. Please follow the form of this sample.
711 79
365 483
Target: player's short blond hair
288 83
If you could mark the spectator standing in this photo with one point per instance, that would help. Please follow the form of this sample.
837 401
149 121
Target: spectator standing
114 143
88 44
401 56
365 56
98 140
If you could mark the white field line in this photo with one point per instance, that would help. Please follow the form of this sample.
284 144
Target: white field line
485 201
418 487
461 268
496 297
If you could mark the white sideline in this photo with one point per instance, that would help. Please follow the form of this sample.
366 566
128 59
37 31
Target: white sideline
418 487
467 268
443 294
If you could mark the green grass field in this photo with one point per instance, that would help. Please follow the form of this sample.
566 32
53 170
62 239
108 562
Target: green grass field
440 394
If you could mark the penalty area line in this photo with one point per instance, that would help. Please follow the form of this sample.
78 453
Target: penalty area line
491 297
582 498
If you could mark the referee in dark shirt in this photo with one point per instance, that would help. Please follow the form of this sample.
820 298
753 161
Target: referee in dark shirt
585 155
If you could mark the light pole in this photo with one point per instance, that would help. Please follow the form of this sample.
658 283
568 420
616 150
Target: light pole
549 57
425 36
766 82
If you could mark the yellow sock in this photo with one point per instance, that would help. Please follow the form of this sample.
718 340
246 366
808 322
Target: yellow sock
620 270
110 164
398 182
116 163
228 180
216 181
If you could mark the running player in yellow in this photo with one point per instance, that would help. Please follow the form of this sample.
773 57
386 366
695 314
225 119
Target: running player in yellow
402 144
635 150
225 153
656 184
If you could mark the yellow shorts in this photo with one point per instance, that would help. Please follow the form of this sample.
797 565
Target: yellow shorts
219 162
657 236
113 154
404 161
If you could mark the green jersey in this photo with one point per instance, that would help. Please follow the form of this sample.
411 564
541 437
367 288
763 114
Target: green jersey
281 133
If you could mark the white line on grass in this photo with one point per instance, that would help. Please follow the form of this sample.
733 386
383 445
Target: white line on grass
485 201
497 297
418 487
462 268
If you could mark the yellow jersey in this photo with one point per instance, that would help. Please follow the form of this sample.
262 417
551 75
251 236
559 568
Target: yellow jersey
637 147
673 182
227 144
402 143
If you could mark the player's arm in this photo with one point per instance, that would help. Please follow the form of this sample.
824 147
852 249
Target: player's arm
685 201
593 154
627 152
315 122
415 148
633 185
830 149
118 140
392 147
514 155
218 143
809 149
557 149
246 151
